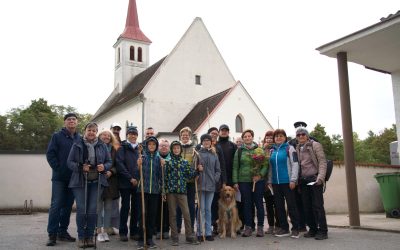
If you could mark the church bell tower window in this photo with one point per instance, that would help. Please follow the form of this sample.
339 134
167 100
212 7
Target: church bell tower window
140 54
132 53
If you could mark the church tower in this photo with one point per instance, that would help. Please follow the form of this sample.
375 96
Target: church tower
131 50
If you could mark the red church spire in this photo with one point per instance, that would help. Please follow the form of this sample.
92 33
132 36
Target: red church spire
132 29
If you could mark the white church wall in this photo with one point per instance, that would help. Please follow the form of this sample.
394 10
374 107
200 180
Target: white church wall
131 112
238 103
173 92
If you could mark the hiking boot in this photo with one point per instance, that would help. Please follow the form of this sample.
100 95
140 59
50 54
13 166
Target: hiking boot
247 231
200 238
175 243
134 237
270 230
165 235
215 229
158 236
310 234
282 233
51 241
295 234
140 245
209 238
65 237
110 231
302 230
81 243
123 238
192 241
321 236
90 242
260 231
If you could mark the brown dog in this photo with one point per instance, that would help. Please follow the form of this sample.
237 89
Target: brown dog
228 217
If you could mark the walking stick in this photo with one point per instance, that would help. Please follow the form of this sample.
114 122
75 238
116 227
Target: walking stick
86 215
97 210
198 198
162 200
142 193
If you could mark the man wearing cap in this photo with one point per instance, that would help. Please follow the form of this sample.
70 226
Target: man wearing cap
116 129
128 176
61 196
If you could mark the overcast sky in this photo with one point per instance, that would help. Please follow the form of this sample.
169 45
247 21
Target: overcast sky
62 51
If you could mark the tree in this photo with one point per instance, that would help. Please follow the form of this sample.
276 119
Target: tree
31 128
320 134
337 148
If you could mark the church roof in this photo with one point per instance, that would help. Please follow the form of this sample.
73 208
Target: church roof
132 90
132 29
201 111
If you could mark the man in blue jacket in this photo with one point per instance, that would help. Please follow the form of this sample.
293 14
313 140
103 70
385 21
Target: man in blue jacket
62 198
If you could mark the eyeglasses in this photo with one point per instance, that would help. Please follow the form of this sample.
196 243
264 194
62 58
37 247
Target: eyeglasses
302 134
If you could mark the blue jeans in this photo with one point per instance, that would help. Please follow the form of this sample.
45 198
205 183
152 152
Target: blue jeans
104 211
130 201
62 200
191 195
86 223
206 199
249 198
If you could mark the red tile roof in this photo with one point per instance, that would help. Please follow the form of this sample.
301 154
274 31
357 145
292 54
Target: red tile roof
132 29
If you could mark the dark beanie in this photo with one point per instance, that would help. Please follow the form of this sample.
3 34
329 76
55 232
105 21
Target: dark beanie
132 129
212 129
205 137
70 115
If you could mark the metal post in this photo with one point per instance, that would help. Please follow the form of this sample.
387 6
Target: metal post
349 162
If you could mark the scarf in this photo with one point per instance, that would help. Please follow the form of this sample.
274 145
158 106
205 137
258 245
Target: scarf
90 147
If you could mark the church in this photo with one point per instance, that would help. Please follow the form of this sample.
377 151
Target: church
191 86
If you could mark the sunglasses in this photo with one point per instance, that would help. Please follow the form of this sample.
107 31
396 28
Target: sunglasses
302 134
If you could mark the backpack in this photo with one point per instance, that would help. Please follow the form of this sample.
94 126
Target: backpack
329 166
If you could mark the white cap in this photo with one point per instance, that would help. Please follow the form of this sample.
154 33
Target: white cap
115 124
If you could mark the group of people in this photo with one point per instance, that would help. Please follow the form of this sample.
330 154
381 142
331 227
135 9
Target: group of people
158 182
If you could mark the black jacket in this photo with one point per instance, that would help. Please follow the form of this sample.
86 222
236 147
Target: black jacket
127 167
228 150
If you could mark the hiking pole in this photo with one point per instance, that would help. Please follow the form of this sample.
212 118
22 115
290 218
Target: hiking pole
162 200
197 196
142 193
97 210
86 215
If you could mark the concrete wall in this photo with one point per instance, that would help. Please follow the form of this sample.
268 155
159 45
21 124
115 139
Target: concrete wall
368 189
28 177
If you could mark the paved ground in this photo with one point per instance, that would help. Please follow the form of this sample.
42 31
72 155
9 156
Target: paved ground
29 232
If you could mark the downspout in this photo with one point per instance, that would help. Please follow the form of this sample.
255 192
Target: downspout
142 99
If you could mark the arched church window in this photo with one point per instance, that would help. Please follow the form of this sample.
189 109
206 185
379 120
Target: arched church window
132 53
139 54
239 124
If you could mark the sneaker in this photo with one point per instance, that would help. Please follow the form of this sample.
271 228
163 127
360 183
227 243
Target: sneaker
192 241
282 233
140 245
66 237
270 230
175 243
100 237
295 234
150 244
123 238
106 237
310 234
321 236
165 235
52 241
260 231
209 238
247 232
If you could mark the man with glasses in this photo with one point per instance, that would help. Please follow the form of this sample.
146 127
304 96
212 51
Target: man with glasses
312 178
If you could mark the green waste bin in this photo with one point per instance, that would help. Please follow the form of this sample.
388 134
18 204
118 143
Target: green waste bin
389 184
